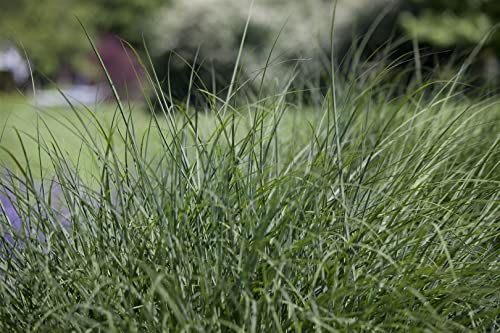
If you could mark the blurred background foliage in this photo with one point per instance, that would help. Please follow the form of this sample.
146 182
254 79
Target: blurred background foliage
52 37
211 31
446 23
47 31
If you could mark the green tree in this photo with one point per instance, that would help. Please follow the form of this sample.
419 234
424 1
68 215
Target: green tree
52 37
47 30
127 18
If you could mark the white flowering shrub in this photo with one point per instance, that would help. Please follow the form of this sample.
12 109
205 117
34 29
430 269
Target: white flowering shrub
215 27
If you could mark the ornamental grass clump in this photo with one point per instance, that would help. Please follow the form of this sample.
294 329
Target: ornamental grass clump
374 209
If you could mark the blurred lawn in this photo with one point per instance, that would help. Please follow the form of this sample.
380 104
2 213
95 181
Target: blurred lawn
20 118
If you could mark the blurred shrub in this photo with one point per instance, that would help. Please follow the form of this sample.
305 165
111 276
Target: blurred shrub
452 29
448 23
456 26
216 28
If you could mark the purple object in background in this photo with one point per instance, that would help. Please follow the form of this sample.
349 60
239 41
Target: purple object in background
18 220
11 214
122 66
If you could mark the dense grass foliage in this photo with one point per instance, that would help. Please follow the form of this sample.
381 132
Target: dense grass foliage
365 212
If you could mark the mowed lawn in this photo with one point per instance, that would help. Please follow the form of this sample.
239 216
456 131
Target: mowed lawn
23 121
24 125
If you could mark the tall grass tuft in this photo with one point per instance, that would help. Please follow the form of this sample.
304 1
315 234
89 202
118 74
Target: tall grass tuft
371 210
